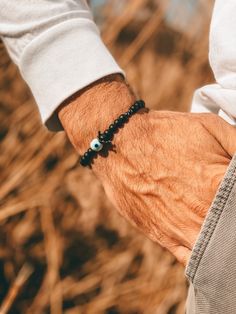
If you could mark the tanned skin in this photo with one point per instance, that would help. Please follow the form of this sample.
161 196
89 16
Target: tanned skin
165 167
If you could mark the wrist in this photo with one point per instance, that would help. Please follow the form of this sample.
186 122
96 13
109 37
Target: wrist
93 109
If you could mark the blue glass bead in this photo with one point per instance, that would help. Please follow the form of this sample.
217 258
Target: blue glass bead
96 145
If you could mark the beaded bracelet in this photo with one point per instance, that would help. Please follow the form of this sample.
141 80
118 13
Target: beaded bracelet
97 144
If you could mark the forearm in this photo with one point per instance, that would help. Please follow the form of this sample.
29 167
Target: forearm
94 108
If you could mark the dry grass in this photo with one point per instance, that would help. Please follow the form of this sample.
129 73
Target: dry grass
64 249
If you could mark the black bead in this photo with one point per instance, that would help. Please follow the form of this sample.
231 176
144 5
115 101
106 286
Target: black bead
107 132
112 127
136 107
83 161
122 118
107 135
118 123
91 153
86 155
131 107
141 103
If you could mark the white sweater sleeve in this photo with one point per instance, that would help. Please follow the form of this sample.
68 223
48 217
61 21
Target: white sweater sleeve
57 47
220 98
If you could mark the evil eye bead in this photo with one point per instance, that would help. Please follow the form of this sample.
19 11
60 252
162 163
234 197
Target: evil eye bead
96 145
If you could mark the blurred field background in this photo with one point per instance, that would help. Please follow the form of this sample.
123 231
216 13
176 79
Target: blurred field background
63 247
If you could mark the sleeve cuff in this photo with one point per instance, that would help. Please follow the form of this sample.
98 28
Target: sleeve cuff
216 99
63 60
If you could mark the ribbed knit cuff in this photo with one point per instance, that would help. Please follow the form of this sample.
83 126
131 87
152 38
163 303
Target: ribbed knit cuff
63 60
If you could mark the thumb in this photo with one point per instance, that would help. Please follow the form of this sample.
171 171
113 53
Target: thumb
223 132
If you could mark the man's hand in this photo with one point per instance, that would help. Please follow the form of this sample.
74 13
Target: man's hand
166 166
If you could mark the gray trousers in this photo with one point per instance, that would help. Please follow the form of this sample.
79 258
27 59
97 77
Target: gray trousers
211 270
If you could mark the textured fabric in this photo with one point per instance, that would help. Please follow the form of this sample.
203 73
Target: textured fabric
57 48
212 267
220 98
59 51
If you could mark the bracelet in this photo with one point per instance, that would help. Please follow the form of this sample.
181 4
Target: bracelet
97 144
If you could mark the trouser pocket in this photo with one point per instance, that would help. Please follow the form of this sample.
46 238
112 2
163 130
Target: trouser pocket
211 270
